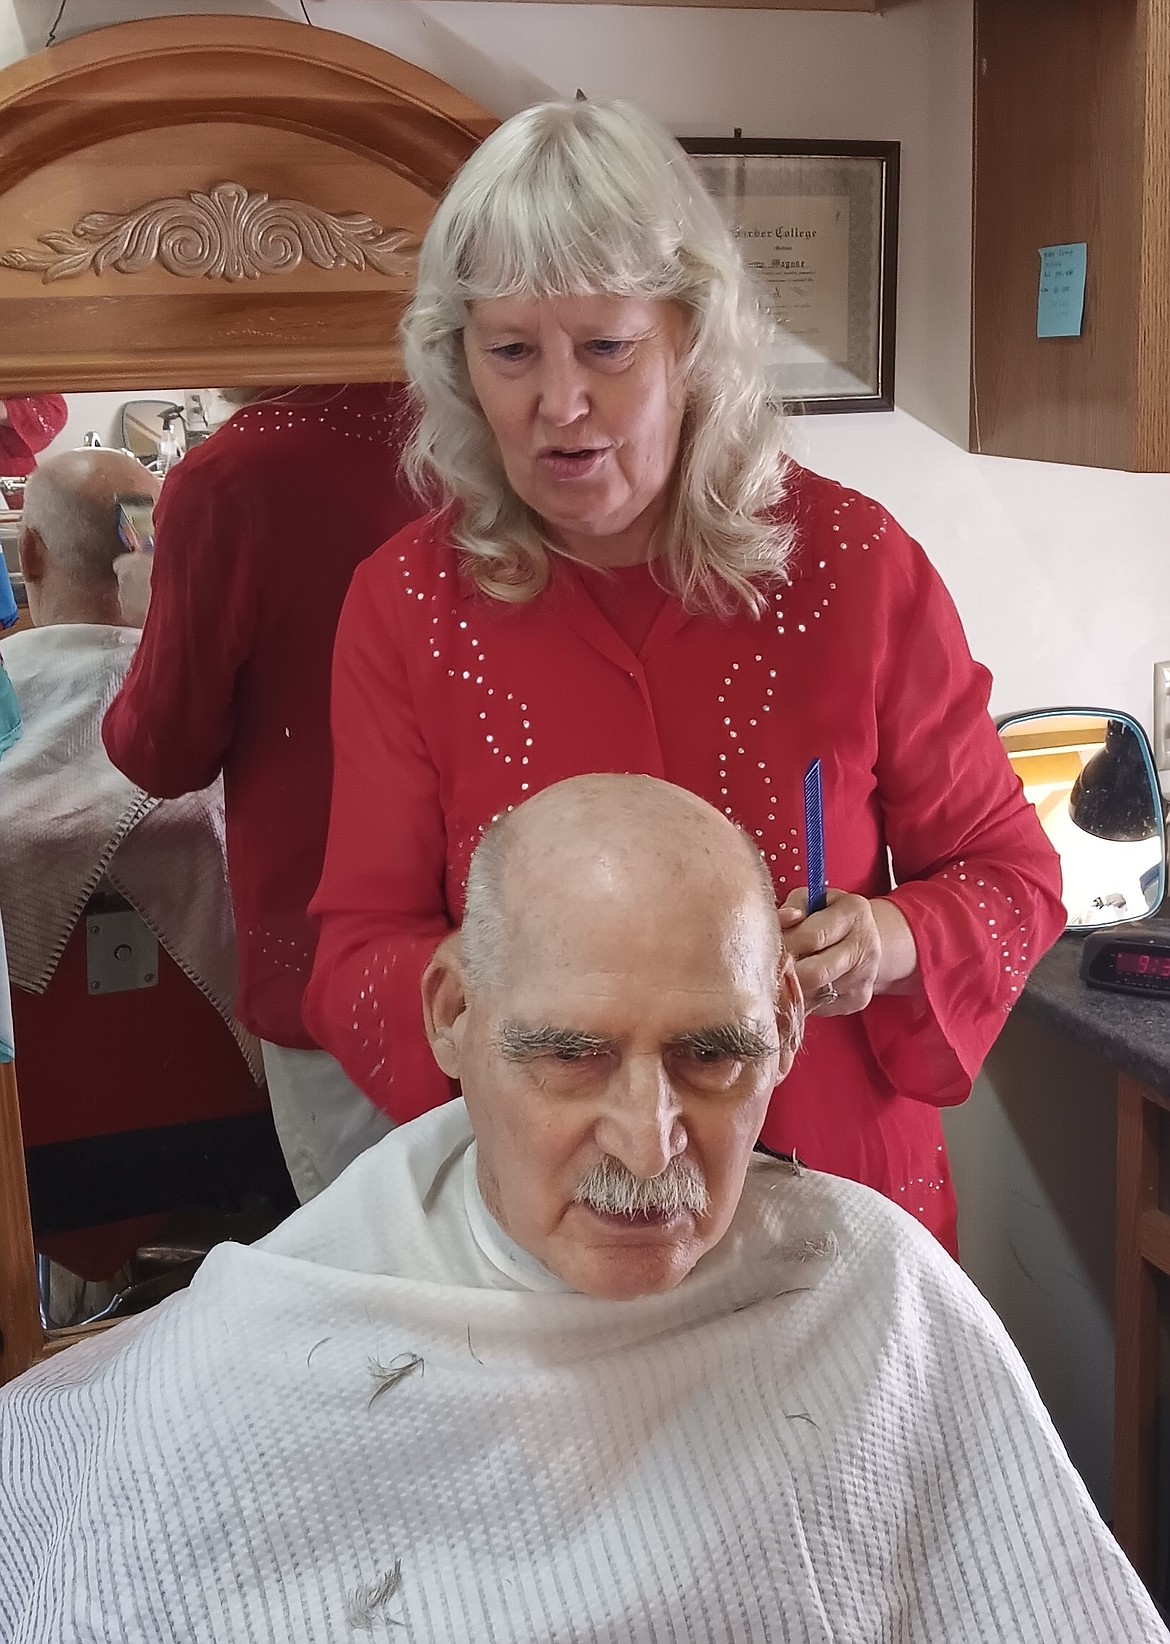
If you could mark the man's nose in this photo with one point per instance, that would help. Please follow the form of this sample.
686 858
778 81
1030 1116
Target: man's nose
642 1126
564 392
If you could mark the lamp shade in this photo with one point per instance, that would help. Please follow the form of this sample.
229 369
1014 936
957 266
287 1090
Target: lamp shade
1113 797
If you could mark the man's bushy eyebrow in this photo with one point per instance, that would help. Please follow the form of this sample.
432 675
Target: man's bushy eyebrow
733 1039
740 1041
517 1042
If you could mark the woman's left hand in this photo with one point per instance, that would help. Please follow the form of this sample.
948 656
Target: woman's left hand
850 950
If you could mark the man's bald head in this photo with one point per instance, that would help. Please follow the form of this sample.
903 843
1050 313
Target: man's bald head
618 1011
69 532
630 843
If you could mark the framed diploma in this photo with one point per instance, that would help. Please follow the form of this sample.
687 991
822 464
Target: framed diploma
818 225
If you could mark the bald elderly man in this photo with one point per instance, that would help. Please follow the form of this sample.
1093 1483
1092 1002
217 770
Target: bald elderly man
562 1360
69 537
66 814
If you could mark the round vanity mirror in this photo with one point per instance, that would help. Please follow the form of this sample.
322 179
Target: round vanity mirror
149 427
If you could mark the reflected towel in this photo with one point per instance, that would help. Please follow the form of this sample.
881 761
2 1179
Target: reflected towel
168 859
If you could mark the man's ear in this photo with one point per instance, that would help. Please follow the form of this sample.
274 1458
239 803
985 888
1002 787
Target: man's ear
30 550
789 1015
444 1004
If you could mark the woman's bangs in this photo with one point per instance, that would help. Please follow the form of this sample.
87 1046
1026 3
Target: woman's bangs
537 242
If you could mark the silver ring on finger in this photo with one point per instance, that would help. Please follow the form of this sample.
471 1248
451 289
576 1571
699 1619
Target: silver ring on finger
827 995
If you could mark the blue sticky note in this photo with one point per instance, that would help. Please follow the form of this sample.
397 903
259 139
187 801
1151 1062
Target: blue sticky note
1061 307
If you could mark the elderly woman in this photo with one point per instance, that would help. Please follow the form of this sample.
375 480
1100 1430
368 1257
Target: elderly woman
626 574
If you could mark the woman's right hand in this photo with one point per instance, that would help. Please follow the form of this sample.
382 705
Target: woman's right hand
853 948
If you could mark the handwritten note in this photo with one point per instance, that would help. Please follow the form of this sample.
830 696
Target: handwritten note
1061 307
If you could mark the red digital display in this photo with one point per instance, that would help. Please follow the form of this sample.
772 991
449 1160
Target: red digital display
1143 964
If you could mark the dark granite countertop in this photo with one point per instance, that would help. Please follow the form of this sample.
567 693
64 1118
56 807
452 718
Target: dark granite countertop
1131 1032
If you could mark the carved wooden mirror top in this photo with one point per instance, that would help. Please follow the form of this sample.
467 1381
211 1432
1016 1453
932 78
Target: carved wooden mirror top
215 199
200 200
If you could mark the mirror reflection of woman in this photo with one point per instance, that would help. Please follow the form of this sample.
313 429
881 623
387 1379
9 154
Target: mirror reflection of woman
257 533
627 574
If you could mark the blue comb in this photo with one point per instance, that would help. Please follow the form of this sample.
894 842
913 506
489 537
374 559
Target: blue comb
814 837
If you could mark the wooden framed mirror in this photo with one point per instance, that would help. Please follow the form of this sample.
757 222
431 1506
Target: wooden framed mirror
199 200
214 198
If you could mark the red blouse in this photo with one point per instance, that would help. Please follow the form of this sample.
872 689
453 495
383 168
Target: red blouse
448 707
257 534
34 421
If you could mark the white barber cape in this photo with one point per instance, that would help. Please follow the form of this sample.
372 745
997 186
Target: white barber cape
68 816
822 1435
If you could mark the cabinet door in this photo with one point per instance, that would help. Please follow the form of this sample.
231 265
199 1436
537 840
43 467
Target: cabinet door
1072 144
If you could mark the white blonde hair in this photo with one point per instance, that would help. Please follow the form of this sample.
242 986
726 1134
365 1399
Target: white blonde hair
578 199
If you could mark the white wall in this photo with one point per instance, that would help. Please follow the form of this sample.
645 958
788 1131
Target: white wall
11 42
101 414
1060 574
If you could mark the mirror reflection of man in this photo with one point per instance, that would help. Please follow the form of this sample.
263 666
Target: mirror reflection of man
68 540
258 532
66 813
562 1360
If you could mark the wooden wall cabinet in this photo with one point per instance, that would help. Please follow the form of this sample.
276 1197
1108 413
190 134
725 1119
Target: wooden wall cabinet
1072 143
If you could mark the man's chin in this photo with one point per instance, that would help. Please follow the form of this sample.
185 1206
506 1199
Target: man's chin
620 1258
627 1275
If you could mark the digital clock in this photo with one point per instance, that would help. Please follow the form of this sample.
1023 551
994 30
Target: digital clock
1129 961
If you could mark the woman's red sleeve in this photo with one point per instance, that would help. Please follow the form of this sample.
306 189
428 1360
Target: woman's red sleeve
37 419
976 878
171 725
34 421
381 905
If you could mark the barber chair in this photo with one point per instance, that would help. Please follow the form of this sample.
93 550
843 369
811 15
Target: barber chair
144 1130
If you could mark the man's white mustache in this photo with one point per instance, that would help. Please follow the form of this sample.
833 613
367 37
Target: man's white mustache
615 1191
